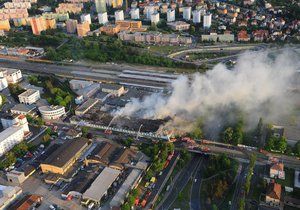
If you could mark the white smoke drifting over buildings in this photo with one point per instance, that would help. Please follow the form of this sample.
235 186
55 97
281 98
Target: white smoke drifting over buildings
259 86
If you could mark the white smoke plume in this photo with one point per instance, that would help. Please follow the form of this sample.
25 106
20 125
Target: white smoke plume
259 85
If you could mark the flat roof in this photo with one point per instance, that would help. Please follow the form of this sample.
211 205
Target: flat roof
28 92
66 152
23 107
111 86
10 131
50 108
101 184
130 181
88 104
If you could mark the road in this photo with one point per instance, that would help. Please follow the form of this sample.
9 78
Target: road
196 188
238 187
181 182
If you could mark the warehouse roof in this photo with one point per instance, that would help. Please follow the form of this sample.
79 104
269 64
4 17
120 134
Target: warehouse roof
66 152
101 184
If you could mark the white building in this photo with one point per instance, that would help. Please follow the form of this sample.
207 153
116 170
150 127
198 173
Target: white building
30 96
76 84
135 13
155 18
149 10
86 18
187 11
102 18
8 194
196 16
207 21
14 119
171 15
52 112
10 137
3 83
12 75
119 15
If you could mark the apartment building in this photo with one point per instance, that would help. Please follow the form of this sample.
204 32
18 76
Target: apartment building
83 29
179 26
69 8
12 75
71 26
30 96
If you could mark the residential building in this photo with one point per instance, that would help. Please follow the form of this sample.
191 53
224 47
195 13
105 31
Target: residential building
86 18
17 5
71 26
102 18
155 38
69 8
9 120
277 171
30 96
65 156
13 13
52 112
119 15
207 21
3 83
12 76
8 194
187 11
149 10
56 16
131 25
243 36
37 25
170 15
100 6
4 25
10 137
155 18
260 35
217 37
273 195
18 177
179 26
23 109
83 29
135 13
110 29
196 16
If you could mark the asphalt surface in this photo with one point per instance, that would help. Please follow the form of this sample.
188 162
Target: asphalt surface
238 187
195 189
181 182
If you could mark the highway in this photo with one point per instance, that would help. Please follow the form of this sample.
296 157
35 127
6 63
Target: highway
196 188
178 185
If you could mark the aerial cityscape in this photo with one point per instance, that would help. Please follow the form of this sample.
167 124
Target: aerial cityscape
163 105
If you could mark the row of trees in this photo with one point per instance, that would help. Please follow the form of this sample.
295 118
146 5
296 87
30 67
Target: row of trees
247 185
276 144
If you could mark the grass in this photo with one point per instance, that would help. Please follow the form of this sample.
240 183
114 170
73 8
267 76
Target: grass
165 49
206 55
289 178
183 199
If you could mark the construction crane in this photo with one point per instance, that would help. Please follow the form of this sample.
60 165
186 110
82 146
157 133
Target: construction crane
138 133
107 130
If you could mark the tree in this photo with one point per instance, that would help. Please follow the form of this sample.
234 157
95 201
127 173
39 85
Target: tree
214 207
297 149
128 142
20 149
84 131
126 206
228 135
10 158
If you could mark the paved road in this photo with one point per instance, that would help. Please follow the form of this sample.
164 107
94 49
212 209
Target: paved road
238 187
181 182
195 189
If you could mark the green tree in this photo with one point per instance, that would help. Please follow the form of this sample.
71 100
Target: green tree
228 135
10 158
297 149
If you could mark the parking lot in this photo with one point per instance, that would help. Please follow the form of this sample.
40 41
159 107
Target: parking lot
35 185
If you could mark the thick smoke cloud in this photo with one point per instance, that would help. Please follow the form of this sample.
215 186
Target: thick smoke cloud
259 86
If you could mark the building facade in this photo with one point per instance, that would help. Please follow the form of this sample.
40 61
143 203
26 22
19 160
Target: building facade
52 112
30 96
